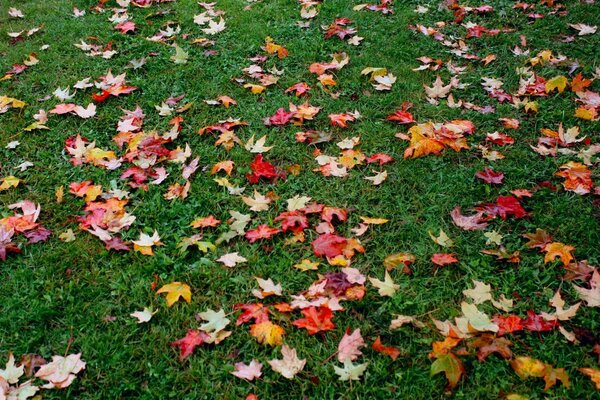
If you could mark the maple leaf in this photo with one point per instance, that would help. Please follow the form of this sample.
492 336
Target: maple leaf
438 90
504 207
145 243
261 232
267 288
348 348
539 239
558 82
341 120
248 372
387 287
487 344
537 323
421 145
61 372
527 367
87 112
258 203
290 365
189 342
557 249
350 371
488 175
143 316
443 259
594 375
476 319
315 320
6 243
329 245
508 324
205 222
9 182
591 296
231 259
125 27
11 373
394 260
263 169
293 221
480 293
175 291
267 332
401 117
451 366
584 29
280 118
255 311
393 352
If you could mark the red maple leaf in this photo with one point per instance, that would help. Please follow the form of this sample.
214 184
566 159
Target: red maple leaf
280 118
101 97
293 221
188 344
329 245
261 232
490 176
504 207
381 158
537 323
263 169
402 117
508 324
442 259
255 311
315 320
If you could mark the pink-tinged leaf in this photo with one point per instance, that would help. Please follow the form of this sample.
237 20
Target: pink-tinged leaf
85 113
127 26
474 222
189 342
490 176
116 243
41 234
63 109
6 244
248 372
189 169
348 349
280 118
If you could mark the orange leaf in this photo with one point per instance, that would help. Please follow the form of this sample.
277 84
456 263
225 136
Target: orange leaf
393 352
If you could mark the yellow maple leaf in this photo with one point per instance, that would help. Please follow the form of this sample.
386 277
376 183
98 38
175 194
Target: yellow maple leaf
175 291
557 249
267 333
8 182
558 82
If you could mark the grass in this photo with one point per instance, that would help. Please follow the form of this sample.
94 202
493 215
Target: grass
55 292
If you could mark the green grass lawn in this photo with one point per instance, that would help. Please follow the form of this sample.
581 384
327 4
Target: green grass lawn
60 296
